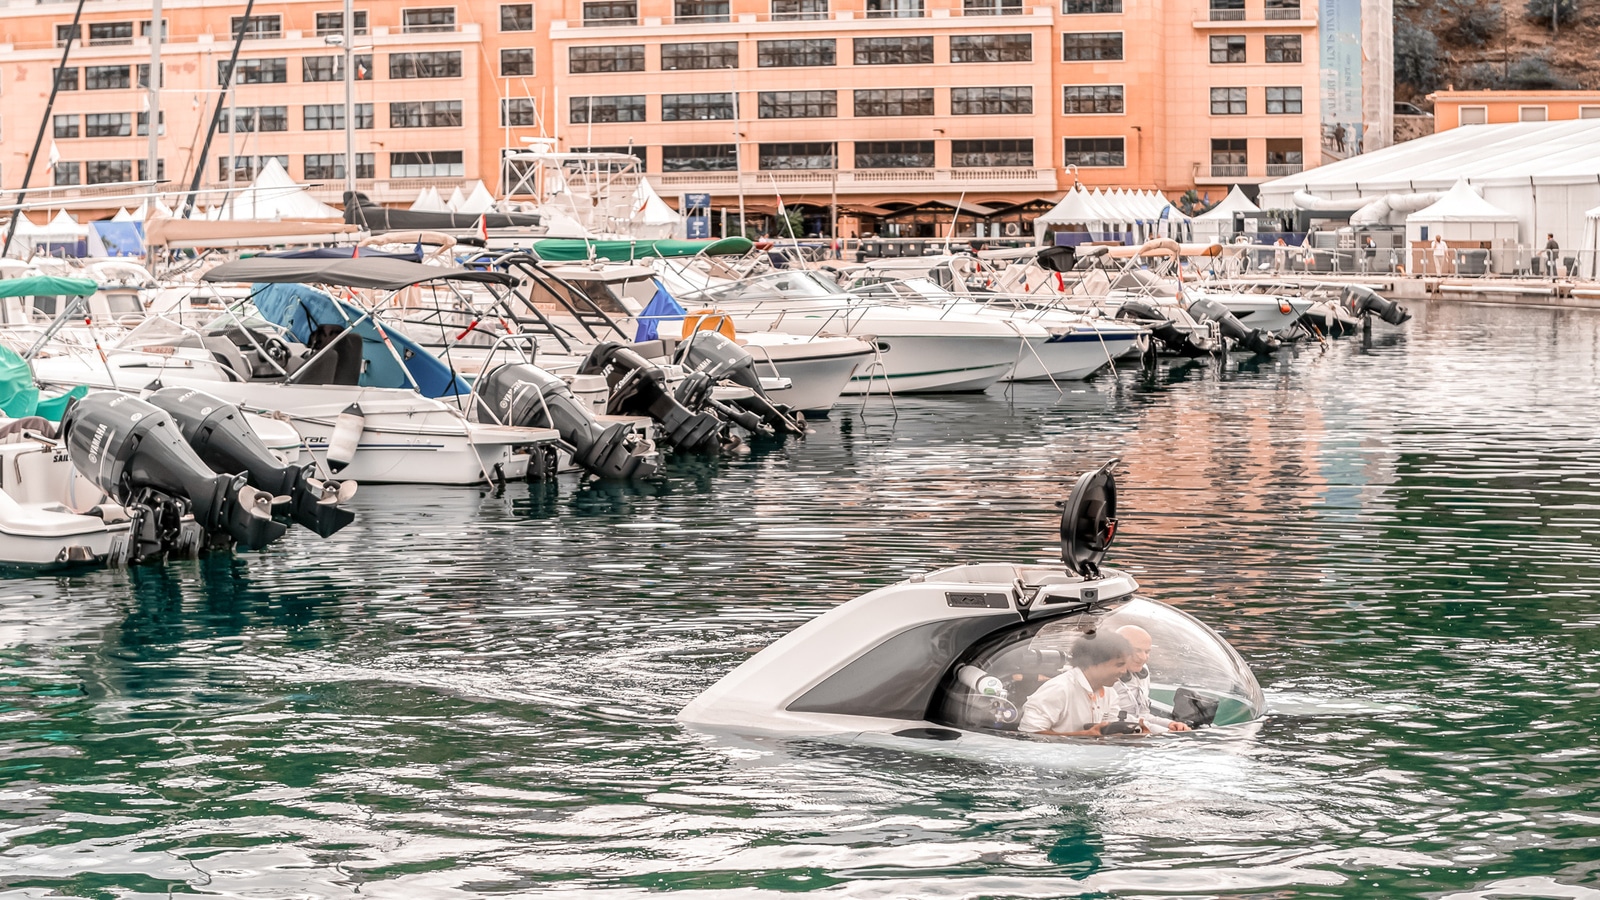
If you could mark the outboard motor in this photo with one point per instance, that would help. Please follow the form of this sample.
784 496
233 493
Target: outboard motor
1175 339
719 358
1253 339
526 395
1363 301
136 454
639 388
218 432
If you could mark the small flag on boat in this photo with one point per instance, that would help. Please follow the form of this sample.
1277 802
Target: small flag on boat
483 226
55 155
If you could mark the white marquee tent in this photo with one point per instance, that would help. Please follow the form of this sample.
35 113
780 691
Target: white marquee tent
428 200
478 201
274 195
653 219
1462 215
1130 216
1217 222
1546 174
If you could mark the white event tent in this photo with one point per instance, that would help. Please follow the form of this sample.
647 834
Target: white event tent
274 195
1129 216
1217 222
478 201
428 200
653 219
1462 215
1546 174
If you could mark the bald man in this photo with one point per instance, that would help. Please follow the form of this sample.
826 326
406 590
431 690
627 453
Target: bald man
1133 691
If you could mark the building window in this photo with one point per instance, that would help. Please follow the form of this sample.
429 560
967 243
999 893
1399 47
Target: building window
991 153
894 9
330 166
1532 114
608 58
106 78
798 104
1284 156
65 126
799 155
63 32
1589 112
258 118
104 34
67 79
330 116
1094 153
1080 46
1283 48
68 174
1090 7
435 64
603 13
625 150
110 171
991 48
257 28
700 158
894 102
330 23
516 17
624 108
991 7
425 114
108 125
331 68
142 75
245 168
1227 10
1227 48
516 61
700 55
1283 101
894 154
1283 9
791 10
1091 99
256 71
427 164
1228 102
1472 115
700 11
1229 157
893 51
695 107
420 21
518 112
144 28
991 101
144 170
795 54
142 125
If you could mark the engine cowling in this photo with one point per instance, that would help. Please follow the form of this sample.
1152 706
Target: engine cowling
1253 339
526 395
639 388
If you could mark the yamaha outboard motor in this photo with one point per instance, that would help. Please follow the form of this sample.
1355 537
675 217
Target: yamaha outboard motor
1175 339
135 453
719 358
218 432
1253 339
528 396
639 388
1364 301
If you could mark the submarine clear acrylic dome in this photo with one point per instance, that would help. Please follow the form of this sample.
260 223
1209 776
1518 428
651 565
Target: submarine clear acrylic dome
1190 666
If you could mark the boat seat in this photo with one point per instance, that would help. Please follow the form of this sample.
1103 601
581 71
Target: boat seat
13 432
341 365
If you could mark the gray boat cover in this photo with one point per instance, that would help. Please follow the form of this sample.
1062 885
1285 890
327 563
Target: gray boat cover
361 272
359 210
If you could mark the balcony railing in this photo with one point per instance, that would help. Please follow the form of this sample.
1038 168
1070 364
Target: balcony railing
865 180
1276 169
1285 12
1229 171
1227 15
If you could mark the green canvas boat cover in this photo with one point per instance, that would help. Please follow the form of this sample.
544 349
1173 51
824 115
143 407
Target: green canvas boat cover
575 250
47 286
19 396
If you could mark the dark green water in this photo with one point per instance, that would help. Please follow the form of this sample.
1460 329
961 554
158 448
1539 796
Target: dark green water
465 694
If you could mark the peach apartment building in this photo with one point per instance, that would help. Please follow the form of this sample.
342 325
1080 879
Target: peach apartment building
870 106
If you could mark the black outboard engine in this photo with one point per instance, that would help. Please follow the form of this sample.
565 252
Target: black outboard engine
528 396
639 388
716 355
1175 339
1363 301
136 454
218 432
1253 339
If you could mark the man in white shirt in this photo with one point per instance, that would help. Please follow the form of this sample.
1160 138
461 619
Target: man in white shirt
1080 702
1133 691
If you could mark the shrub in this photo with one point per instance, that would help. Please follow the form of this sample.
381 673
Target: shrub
1539 10
1470 23
1416 57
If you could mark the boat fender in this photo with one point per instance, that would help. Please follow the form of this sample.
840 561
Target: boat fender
346 437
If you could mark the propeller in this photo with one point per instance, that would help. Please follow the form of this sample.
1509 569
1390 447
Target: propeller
258 502
335 492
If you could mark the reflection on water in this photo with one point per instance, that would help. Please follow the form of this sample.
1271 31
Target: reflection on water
467 692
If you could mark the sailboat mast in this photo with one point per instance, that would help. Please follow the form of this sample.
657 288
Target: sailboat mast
153 82
349 99
192 198
55 86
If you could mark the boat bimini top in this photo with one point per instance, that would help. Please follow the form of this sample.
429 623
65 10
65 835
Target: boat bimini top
955 654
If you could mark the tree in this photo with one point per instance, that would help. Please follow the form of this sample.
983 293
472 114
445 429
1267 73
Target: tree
1470 23
1416 57
1566 11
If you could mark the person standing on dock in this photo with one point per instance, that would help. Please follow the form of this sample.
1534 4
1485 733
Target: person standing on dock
1441 251
1280 256
1552 252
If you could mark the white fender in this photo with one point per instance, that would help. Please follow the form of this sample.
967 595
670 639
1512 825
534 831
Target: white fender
346 437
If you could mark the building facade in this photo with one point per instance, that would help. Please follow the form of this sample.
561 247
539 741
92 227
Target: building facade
1453 109
873 108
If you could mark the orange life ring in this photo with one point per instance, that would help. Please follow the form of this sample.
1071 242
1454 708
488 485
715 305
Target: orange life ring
708 320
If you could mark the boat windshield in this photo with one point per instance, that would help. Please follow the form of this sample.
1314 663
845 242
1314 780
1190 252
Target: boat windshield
1192 673
788 285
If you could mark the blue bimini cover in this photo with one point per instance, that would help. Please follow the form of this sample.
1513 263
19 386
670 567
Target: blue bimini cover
300 309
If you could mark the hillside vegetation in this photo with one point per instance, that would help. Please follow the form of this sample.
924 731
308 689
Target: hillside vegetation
1476 45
